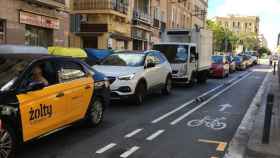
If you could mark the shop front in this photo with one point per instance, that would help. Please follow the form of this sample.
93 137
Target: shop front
38 29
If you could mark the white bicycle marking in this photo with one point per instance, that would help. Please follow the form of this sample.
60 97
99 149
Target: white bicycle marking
215 124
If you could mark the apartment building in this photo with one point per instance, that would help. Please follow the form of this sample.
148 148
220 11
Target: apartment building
101 24
199 13
34 22
240 24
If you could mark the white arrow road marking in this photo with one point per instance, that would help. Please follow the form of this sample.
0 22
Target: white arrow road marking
129 135
129 152
153 136
102 150
207 101
224 107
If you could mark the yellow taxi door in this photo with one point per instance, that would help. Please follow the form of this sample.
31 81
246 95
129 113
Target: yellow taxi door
42 110
79 91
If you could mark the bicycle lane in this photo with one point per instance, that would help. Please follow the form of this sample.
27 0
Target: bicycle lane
184 141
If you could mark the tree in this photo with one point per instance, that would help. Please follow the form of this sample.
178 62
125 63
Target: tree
264 51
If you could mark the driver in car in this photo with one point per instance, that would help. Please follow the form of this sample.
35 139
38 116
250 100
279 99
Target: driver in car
37 75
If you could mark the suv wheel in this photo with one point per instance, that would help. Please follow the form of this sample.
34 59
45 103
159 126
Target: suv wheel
167 87
140 93
7 143
95 112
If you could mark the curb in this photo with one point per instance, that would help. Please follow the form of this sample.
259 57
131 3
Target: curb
238 145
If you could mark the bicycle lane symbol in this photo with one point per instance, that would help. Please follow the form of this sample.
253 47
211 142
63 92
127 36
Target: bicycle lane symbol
214 124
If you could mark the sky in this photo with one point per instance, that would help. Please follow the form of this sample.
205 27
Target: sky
267 10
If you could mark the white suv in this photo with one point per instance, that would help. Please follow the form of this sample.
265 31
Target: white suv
134 74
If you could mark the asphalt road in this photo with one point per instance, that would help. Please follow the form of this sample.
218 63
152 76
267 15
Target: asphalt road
193 122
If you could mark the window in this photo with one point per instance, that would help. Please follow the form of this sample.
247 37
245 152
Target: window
160 56
36 36
43 71
2 32
70 71
152 58
192 53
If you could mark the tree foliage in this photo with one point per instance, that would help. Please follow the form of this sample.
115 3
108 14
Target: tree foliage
227 41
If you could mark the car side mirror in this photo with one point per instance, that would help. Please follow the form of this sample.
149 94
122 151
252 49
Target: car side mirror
34 86
150 65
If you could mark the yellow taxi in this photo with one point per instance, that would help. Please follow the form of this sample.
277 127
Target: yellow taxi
40 94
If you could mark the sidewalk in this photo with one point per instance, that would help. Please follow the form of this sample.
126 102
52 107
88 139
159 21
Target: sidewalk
255 148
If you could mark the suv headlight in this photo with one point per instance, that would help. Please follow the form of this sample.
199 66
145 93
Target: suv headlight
126 77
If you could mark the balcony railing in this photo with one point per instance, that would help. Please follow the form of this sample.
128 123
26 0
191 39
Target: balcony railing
139 15
116 5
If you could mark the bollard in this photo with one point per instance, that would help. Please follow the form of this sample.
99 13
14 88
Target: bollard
274 68
267 119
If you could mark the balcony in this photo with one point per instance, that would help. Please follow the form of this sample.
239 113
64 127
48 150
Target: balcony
49 3
142 16
101 5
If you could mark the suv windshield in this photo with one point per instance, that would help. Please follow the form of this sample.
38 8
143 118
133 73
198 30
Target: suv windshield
125 59
217 59
174 53
10 69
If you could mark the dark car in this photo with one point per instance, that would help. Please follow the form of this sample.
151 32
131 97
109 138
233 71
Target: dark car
219 67
40 94
232 64
240 63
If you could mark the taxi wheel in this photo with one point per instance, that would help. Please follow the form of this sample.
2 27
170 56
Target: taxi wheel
7 143
96 112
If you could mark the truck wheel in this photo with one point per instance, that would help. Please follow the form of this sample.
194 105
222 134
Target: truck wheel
140 93
96 112
7 143
167 87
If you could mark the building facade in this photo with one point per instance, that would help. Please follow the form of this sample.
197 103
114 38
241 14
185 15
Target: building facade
278 40
34 22
101 24
240 24
199 13
262 41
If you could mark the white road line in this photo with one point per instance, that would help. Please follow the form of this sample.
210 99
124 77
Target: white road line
102 150
207 101
153 136
131 134
190 102
129 152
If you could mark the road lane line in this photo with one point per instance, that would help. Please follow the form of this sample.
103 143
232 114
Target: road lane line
191 101
153 136
102 150
207 101
131 134
129 152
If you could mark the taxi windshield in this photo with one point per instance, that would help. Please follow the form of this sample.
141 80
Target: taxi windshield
10 68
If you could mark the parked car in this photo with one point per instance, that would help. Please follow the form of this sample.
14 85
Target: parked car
240 63
247 60
232 63
220 66
95 56
40 94
133 74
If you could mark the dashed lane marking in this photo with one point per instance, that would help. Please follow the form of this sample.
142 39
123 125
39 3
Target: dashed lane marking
156 134
129 135
108 147
129 152
221 145
192 101
207 101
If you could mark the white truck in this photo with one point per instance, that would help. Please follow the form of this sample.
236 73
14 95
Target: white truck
189 53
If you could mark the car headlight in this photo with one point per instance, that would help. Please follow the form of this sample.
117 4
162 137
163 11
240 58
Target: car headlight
126 77
102 84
